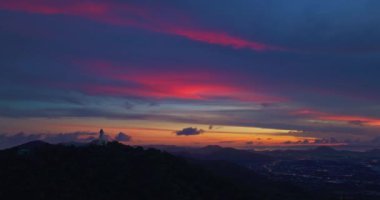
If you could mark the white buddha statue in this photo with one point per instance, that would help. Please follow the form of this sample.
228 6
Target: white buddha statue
102 138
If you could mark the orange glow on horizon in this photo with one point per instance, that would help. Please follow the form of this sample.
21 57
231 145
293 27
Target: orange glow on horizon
164 133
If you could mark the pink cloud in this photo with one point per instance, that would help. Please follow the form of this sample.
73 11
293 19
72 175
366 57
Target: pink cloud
173 84
134 16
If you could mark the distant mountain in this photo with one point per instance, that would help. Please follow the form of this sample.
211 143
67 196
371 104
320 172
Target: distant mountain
374 151
214 152
33 145
38 170
324 149
322 152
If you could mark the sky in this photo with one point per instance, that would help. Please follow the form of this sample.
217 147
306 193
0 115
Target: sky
243 73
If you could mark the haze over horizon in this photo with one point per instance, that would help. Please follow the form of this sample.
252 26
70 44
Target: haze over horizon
244 74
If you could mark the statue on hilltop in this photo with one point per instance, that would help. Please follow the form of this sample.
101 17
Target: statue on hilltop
102 140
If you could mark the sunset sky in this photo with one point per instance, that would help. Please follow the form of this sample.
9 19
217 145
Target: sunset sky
192 72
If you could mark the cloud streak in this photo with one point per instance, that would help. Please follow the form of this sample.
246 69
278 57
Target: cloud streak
123 14
172 84
350 119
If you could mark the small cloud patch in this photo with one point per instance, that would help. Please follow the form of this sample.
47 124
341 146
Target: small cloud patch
122 137
189 131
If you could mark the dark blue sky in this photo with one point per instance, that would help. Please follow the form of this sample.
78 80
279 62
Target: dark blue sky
300 69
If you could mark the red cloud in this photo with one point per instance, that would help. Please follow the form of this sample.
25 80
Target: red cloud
129 15
174 84
355 120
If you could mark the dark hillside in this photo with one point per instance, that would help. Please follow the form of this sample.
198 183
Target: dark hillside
38 170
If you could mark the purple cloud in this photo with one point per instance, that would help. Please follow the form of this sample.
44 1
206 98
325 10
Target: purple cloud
122 137
189 131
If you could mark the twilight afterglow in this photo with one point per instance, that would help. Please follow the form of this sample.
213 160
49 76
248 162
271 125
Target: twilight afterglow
242 74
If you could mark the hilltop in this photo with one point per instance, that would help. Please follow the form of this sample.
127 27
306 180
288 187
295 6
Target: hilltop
38 170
